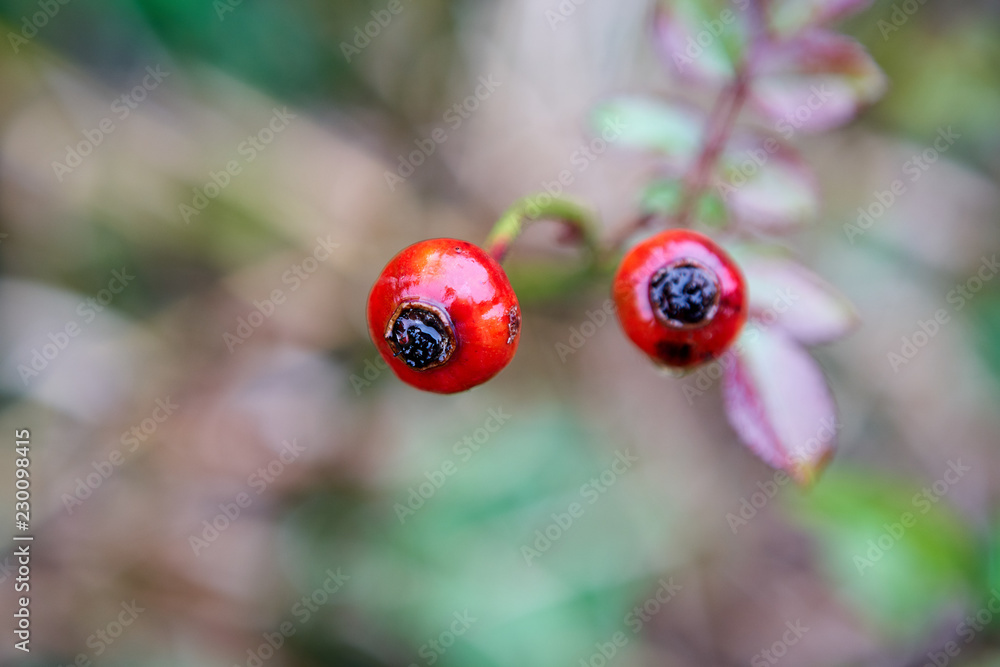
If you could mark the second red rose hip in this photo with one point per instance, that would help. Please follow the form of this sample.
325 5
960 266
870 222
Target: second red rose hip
680 298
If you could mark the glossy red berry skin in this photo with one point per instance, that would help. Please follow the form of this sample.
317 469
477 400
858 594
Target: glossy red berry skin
680 298
444 316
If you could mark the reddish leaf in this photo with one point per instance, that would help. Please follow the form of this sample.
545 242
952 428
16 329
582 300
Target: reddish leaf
788 295
702 40
777 401
787 17
766 185
815 82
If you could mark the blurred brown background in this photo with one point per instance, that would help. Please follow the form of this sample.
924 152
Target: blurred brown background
222 475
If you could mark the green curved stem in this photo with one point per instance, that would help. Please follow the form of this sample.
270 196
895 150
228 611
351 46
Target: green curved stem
542 207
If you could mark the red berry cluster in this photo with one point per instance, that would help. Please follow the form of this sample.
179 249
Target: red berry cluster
443 313
445 318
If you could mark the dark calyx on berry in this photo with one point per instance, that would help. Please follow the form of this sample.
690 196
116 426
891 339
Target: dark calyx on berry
421 335
684 294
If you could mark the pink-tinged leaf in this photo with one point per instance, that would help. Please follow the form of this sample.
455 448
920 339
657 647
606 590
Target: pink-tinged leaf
787 17
765 185
701 40
671 129
787 295
778 402
814 82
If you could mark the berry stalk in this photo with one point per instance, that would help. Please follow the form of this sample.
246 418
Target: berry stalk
718 128
717 132
579 222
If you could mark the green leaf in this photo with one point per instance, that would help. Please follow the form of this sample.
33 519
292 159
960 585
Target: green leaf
899 554
787 17
993 565
711 210
664 198
671 129
462 548
702 40
661 197
985 311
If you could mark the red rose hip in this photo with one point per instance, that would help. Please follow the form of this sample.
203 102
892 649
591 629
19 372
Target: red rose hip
444 316
680 298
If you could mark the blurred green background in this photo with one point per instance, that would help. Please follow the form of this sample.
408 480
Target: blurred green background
198 190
